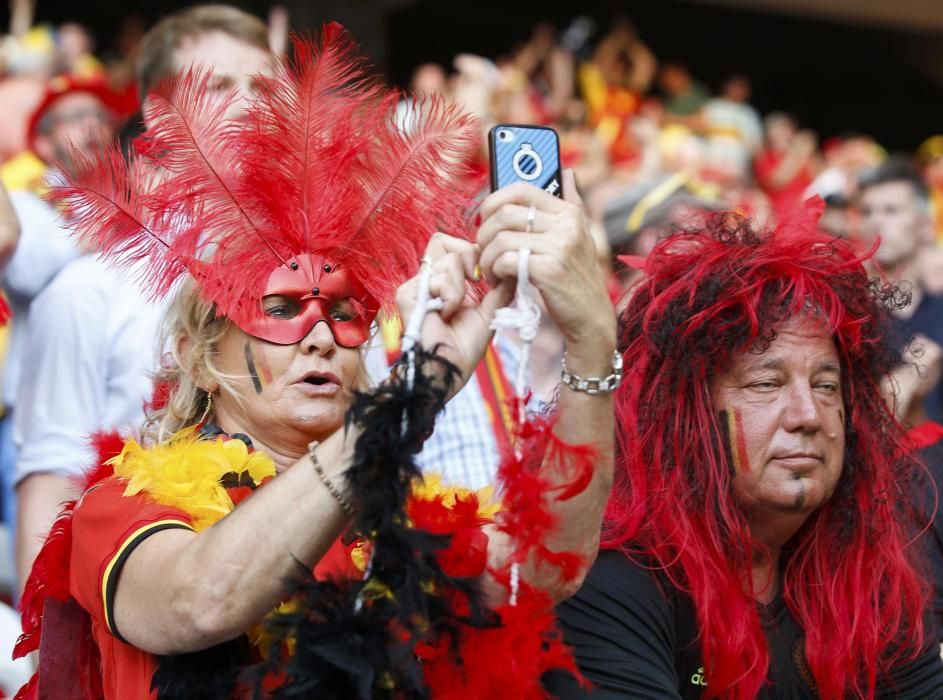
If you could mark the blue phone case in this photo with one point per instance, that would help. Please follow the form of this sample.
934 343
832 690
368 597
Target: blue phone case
522 153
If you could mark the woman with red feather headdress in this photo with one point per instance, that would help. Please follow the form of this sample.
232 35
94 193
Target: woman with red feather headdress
184 569
762 533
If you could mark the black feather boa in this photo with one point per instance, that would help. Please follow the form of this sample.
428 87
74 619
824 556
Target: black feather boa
358 639
210 674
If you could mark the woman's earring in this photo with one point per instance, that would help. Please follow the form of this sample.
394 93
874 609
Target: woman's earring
209 407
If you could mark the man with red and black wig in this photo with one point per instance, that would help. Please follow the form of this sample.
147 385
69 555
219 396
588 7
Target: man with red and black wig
760 534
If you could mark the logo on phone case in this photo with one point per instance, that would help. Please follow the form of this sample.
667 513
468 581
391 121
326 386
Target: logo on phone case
521 153
527 163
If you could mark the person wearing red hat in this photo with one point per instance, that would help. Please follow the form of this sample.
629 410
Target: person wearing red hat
76 114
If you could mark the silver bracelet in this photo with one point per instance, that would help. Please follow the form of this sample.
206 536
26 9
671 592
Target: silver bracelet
594 385
338 496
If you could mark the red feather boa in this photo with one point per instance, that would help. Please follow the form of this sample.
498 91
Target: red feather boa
509 660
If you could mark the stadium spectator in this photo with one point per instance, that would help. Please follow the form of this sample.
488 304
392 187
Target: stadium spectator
895 216
749 553
73 114
91 337
788 163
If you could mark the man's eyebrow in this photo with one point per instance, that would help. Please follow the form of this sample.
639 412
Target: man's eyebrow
771 363
776 363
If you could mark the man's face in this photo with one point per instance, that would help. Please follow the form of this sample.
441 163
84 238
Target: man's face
892 212
233 65
786 420
76 120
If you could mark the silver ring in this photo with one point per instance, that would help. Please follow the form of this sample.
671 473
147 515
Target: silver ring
425 260
531 215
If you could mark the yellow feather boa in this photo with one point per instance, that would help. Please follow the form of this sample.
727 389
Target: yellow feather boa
185 473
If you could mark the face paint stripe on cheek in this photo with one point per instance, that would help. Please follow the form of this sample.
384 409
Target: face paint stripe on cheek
250 363
732 421
741 442
262 365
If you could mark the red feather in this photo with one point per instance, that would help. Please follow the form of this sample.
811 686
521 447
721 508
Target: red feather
190 135
160 395
507 661
527 494
467 552
317 166
415 183
106 203
510 659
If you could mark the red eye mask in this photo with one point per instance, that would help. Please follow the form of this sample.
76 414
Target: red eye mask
307 291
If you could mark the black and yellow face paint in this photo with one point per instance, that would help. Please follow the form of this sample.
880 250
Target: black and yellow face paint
258 369
731 422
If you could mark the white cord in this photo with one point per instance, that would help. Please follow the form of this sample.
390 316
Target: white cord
413 333
515 584
524 317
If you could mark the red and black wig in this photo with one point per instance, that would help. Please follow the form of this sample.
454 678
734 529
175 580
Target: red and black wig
847 575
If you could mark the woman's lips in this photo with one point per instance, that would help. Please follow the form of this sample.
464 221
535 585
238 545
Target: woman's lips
318 390
319 384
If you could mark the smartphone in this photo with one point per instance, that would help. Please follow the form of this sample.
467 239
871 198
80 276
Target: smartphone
523 153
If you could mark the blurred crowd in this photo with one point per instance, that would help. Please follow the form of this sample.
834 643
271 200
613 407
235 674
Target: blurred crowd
639 129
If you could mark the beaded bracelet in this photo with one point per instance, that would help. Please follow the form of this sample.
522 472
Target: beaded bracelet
329 485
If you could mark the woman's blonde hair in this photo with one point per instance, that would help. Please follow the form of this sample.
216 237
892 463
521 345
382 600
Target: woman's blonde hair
191 334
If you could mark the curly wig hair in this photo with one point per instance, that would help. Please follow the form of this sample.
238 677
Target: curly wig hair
848 575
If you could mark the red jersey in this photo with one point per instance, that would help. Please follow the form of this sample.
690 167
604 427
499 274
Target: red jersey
107 526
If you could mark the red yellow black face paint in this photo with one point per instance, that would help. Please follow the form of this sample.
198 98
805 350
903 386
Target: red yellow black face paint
258 380
731 421
261 364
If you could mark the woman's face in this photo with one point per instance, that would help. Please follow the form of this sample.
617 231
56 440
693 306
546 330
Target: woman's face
288 393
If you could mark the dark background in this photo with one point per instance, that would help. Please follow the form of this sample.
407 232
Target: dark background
835 77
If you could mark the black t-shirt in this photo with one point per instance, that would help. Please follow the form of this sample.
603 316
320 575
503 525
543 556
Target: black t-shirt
930 501
634 638
927 320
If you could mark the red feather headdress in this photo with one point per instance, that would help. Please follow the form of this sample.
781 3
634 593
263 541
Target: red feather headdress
316 167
